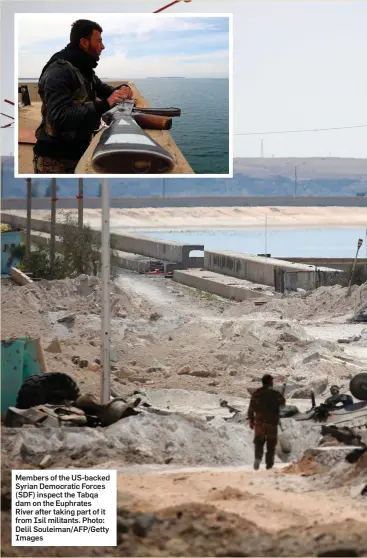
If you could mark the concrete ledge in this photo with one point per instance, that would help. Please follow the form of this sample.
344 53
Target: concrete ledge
344 264
152 248
125 260
220 285
259 269
19 277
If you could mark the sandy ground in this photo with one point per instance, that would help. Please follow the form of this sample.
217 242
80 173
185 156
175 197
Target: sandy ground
272 500
202 218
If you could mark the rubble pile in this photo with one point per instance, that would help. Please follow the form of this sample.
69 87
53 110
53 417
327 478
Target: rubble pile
339 460
323 302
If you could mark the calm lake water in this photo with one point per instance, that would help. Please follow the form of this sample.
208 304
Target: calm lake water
337 243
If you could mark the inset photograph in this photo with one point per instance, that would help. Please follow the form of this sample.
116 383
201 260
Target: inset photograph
123 95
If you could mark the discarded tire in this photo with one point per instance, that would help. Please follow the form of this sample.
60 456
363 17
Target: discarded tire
51 387
358 386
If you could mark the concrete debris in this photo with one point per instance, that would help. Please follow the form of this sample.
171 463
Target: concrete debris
69 319
310 358
155 316
46 462
346 435
317 386
54 347
184 370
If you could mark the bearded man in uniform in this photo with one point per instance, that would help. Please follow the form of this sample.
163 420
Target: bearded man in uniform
73 101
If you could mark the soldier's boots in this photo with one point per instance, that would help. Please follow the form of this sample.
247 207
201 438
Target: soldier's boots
257 464
269 461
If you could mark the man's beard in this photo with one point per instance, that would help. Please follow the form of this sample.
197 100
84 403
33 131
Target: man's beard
93 54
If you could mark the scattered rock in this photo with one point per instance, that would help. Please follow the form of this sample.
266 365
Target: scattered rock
317 386
155 369
94 367
288 337
113 354
75 359
83 363
311 357
143 524
54 347
185 370
203 374
69 319
233 373
123 373
93 343
97 360
46 461
155 316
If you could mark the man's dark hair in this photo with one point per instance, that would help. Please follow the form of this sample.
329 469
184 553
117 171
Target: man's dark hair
83 29
267 380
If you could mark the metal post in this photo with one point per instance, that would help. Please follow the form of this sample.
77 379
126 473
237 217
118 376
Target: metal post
105 333
266 234
80 205
29 216
360 242
53 224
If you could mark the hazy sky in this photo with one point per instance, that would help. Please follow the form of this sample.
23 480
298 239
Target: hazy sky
297 64
136 46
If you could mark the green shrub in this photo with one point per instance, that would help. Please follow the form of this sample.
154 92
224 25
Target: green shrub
80 253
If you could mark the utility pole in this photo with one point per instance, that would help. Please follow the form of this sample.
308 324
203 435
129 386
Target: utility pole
359 245
80 205
29 216
53 224
105 331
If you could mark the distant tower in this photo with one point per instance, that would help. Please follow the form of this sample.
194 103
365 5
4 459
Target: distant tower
262 149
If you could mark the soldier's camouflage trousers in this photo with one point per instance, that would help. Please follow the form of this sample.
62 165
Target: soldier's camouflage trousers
48 165
266 433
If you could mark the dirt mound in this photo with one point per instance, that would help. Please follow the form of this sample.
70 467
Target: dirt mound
348 474
321 303
306 467
230 493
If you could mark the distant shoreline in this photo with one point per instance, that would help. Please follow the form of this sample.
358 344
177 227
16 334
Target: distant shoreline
105 79
200 219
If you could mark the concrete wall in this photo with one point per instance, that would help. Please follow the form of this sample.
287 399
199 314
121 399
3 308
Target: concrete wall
158 249
191 201
344 264
261 270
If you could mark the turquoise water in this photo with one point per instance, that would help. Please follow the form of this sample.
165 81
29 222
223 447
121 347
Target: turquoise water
337 243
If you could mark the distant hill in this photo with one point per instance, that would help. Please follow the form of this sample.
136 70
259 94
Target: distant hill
252 177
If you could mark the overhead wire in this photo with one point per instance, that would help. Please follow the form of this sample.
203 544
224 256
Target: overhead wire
300 131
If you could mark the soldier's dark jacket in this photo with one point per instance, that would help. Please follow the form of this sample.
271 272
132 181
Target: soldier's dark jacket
73 101
264 406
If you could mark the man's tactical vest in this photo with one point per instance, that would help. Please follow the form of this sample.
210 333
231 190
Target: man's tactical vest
81 97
